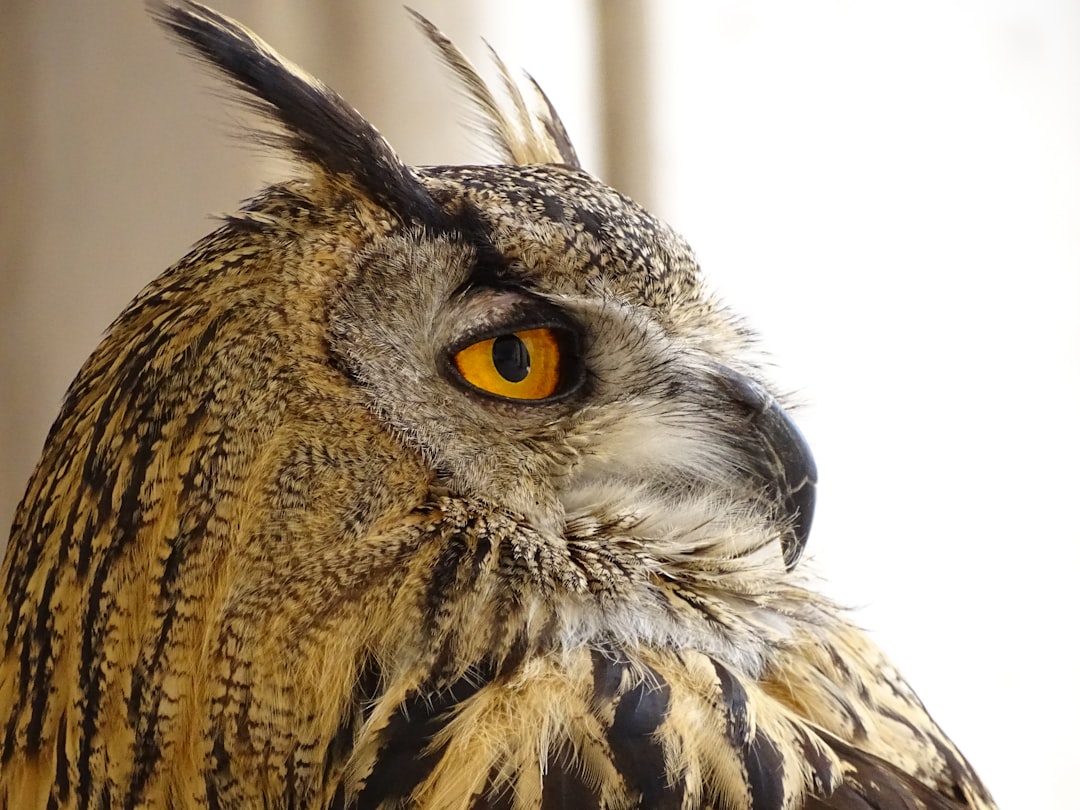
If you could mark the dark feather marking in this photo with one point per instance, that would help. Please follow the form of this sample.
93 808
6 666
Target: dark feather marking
290 797
337 801
10 738
148 751
896 717
480 555
467 223
320 125
94 480
607 668
445 573
734 697
960 774
63 780
761 758
637 753
553 208
823 776
365 688
517 650
956 771
19 576
850 679
100 469
144 719
213 801
765 773
42 636
15 590
90 673
564 785
405 759
220 772
92 515
639 711
871 783
494 797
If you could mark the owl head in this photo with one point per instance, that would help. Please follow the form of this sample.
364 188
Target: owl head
537 341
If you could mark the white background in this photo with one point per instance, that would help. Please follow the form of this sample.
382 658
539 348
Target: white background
891 193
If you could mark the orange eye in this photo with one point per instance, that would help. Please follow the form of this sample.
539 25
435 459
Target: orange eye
518 365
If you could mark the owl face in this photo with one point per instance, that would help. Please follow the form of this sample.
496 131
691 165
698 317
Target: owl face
541 342
550 351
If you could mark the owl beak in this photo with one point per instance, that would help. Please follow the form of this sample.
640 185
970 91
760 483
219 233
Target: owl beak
780 458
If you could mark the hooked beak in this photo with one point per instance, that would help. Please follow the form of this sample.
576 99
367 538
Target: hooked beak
779 458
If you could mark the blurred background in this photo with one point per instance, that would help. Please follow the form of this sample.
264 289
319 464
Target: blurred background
889 192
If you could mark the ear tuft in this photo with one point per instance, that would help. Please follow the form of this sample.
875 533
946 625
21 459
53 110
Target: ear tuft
311 120
521 136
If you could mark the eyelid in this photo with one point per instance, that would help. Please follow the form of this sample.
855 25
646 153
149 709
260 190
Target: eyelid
491 313
493 331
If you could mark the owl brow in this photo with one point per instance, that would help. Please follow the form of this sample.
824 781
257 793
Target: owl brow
491 267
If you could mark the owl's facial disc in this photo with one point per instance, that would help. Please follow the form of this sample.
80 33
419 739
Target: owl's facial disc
562 399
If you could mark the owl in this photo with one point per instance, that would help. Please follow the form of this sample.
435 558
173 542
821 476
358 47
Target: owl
434 487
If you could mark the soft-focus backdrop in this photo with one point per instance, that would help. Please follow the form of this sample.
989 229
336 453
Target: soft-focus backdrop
889 192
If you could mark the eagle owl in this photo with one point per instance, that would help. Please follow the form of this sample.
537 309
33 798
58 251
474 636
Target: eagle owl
435 487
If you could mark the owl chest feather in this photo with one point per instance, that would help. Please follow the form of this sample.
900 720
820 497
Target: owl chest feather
487 664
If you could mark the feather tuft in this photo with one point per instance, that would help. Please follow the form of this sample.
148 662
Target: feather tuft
520 138
310 120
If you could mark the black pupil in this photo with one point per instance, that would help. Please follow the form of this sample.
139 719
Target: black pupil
510 357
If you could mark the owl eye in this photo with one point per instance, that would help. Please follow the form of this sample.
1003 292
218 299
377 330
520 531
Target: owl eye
529 364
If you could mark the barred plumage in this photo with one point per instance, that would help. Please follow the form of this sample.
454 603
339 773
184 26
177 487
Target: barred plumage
284 550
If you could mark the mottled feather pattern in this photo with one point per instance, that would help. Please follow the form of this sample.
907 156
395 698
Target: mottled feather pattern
275 554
